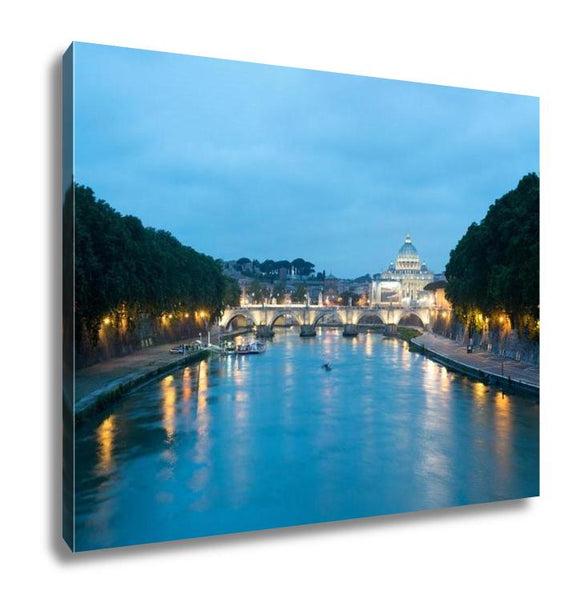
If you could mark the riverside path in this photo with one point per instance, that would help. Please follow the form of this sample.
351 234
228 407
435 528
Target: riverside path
98 383
479 361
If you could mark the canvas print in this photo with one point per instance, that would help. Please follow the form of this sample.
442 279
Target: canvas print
291 297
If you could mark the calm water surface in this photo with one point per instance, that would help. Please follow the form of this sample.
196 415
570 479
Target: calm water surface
243 443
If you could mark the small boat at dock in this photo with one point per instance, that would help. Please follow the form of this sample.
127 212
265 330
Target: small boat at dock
251 348
229 348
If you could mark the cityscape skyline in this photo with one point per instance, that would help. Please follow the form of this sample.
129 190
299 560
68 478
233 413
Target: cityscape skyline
238 159
408 239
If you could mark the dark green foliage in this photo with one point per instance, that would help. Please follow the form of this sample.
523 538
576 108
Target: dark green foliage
267 267
232 292
347 297
407 334
282 265
271 269
257 292
495 266
299 294
125 269
279 292
302 267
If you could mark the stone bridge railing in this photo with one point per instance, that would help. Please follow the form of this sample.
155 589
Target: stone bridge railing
309 316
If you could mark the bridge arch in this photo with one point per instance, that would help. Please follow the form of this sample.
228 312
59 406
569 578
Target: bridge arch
323 314
371 319
288 313
245 315
411 319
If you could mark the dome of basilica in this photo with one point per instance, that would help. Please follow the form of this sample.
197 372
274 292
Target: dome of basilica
407 257
408 273
408 249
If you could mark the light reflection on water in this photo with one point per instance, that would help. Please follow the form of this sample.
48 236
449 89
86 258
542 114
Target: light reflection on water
169 395
106 440
251 442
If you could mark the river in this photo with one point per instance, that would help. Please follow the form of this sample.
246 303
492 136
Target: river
234 444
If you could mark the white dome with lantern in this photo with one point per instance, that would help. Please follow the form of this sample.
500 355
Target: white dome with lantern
407 258
404 280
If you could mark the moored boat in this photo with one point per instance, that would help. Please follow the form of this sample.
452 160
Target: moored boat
229 348
251 348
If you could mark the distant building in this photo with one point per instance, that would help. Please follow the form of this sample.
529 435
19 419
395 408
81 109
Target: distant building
404 281
330 289
437 287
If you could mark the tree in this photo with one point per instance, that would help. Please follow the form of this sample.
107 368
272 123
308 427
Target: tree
257 292
267 267
232 292
347 296
279 292
123 270
242 262
495 265
299 294
302 267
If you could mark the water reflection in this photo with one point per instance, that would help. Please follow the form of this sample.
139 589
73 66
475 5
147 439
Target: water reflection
187 390
369 344
260 441
445 378
203 416
202 386
503 429
479 390
168 405
199 479
106 439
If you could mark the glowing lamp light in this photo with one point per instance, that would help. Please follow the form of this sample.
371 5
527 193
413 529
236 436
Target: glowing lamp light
107 321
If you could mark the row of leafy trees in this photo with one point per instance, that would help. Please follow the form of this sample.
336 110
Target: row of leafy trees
494 269
124 268
259 292
270 268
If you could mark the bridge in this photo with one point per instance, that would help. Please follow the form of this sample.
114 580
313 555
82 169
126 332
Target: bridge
310 316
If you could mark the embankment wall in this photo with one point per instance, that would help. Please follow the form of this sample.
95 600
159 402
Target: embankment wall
497 340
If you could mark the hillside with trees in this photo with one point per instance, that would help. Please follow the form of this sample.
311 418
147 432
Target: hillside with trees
494 269
270 269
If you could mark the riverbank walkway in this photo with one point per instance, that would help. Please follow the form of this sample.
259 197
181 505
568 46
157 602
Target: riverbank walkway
103 382
479 361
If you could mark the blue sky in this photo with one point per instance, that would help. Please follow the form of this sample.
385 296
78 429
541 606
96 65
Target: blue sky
239 159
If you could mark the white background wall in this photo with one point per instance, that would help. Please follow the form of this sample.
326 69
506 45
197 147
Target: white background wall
510 557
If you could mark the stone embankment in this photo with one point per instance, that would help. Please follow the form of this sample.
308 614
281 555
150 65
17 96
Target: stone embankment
485 366
100 384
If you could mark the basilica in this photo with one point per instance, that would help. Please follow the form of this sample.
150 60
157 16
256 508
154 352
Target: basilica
403 282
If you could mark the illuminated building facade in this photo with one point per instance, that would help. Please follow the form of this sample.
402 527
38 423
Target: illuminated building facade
404 281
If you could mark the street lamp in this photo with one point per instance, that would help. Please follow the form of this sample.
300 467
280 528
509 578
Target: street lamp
501 349
205 317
